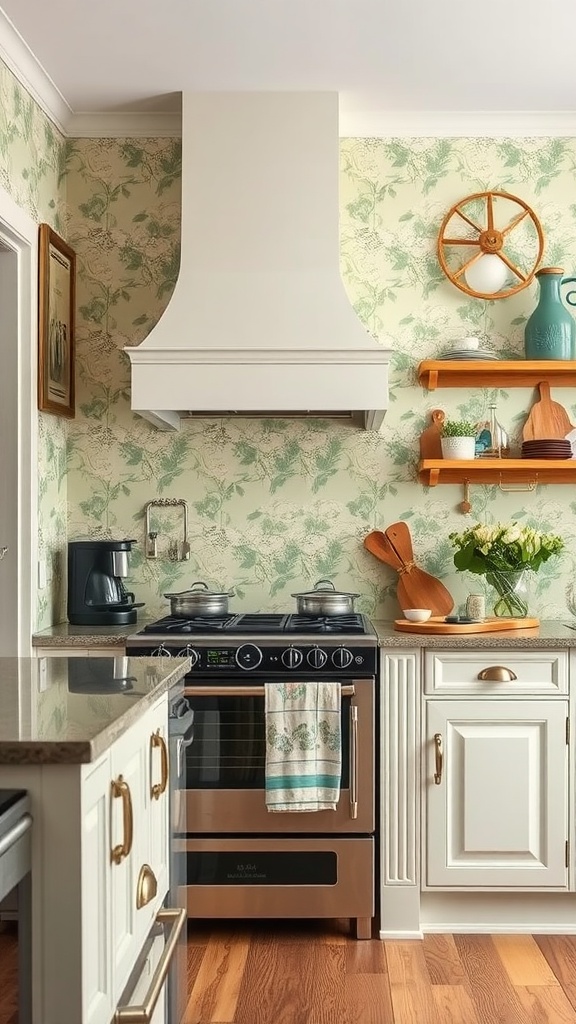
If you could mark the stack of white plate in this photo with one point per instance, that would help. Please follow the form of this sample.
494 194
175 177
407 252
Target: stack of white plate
477 353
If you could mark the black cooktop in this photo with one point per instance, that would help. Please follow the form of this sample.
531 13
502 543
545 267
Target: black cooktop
259 623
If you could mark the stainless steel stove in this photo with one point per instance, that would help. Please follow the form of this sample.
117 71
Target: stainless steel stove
241 860
277 643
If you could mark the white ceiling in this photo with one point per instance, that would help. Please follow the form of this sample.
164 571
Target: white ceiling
384 55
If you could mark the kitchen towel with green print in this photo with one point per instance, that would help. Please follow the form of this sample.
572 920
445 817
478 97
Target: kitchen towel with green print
303 746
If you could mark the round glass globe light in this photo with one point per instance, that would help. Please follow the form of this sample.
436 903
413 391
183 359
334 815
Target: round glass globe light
488 274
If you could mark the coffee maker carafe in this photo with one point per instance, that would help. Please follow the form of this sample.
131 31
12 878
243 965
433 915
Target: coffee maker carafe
96 594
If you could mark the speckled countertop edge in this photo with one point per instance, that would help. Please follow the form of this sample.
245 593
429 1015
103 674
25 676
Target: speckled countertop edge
38 752
548 635
65 635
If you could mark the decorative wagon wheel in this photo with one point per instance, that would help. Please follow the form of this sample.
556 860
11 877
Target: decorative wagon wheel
488 240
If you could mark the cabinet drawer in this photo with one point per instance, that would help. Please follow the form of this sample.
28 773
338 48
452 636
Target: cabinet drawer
531 672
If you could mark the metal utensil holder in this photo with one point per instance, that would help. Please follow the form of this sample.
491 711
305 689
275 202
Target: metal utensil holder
150 542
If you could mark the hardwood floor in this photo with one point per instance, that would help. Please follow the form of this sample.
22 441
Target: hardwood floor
280 972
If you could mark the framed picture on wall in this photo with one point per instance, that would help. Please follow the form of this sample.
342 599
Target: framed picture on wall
56 290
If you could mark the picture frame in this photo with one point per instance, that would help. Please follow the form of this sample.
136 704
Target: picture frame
56 324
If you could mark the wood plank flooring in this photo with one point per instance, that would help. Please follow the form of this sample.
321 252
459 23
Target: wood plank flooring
282 972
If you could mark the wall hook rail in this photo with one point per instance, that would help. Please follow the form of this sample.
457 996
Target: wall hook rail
150 545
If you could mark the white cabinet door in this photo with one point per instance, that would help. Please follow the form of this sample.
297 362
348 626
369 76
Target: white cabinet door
137 764
97 985
497 816
157 796
128 840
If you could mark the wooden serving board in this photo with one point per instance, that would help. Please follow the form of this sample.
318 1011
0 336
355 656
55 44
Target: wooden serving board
490 625
546 419
430 447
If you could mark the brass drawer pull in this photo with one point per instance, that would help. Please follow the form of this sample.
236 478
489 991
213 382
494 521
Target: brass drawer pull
144 1012
120 788
156 740
146 886
497 674
439 752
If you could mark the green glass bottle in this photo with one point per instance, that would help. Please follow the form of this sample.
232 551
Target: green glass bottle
550 331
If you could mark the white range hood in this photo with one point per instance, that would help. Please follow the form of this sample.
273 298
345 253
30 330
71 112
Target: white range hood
259 321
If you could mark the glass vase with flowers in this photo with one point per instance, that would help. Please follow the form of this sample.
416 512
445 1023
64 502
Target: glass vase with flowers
504 553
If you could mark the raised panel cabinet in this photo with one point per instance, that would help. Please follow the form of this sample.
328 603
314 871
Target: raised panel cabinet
496 794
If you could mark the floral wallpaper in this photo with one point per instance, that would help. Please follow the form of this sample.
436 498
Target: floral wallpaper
276 504
32 171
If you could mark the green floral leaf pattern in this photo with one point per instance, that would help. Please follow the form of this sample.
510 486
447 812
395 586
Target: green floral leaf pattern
276 503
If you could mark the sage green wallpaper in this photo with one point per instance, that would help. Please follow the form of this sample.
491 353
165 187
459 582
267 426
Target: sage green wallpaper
32 171
274 504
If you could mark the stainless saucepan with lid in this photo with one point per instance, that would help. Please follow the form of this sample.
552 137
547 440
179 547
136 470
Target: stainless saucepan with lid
324 599
199 600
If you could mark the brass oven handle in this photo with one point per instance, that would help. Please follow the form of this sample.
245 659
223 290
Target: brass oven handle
156 740
143 1014
242 691
353 761
498 673
439 751
120 788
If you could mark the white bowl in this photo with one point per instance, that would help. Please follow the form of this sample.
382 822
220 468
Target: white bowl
468 344
416 614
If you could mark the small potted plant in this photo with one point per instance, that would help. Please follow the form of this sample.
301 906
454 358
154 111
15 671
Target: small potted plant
458 439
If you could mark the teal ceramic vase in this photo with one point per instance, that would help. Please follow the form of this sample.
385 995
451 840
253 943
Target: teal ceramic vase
550 331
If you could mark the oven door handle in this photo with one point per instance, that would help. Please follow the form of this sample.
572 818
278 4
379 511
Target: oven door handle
353 761
242 691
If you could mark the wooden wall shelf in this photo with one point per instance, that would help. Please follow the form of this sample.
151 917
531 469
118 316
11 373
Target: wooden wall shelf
496 471
496 373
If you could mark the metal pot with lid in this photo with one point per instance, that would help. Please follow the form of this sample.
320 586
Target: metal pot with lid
324 599
199 600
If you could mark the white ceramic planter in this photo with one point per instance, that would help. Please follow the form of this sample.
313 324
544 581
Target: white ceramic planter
458 447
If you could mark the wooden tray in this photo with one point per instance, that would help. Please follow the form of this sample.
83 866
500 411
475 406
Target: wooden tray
436 624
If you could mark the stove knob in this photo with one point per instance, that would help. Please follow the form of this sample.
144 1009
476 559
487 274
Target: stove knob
189 652
291 657
317 658
248 657
161 652
342 657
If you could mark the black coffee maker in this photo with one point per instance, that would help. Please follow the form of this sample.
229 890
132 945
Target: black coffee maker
96 594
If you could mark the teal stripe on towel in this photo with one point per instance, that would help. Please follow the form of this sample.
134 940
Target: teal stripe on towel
302 781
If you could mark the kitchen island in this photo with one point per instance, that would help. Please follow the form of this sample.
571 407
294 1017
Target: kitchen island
89 748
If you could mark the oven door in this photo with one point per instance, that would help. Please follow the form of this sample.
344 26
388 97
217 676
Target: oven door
226 760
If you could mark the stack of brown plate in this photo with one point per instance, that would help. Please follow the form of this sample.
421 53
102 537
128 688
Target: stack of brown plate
547 448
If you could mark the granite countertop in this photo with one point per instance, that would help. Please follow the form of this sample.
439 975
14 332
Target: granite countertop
547 635
53 710
66 635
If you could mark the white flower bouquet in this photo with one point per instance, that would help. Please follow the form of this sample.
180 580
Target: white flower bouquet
501 553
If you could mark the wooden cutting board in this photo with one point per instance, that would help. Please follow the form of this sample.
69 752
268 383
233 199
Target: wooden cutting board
430 447
546 418
437 625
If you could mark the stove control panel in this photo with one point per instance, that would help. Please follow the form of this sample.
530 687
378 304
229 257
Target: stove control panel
276 659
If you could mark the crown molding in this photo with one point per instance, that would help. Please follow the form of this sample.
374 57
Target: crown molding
108 125
492 124
375 123
18 57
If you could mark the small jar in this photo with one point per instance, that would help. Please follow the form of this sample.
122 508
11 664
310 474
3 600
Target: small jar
476 606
